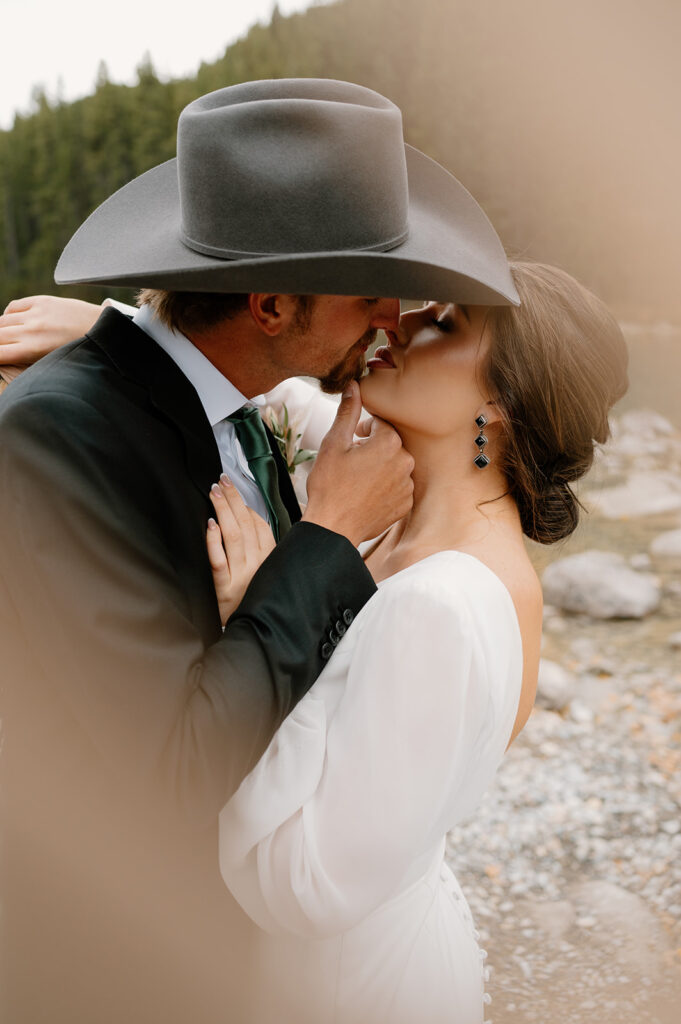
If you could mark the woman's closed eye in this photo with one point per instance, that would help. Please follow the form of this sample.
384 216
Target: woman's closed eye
442 316
444 322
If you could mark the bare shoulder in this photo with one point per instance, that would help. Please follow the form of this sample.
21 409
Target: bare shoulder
511 564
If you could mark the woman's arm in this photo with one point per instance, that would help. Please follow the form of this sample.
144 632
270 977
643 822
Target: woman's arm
37 324
380 792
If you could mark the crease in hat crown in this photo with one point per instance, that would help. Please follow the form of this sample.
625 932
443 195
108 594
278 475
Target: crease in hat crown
292 166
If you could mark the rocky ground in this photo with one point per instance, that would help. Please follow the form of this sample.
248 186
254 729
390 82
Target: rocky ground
572 865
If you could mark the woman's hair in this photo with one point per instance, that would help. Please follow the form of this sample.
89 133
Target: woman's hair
556 365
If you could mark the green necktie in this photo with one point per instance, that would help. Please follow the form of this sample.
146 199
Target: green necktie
252 437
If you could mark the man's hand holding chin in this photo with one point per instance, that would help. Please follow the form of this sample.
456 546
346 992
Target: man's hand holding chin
359 488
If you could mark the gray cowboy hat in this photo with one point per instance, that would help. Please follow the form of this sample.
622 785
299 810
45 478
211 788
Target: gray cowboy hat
294 186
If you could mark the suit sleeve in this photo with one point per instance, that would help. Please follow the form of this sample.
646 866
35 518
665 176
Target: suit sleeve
96 624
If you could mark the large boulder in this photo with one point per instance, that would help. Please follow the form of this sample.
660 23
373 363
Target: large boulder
645 493
602 585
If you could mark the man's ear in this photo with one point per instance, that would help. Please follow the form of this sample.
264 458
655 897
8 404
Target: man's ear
271 313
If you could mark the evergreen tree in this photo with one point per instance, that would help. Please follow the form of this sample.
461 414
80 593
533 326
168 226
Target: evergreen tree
560 118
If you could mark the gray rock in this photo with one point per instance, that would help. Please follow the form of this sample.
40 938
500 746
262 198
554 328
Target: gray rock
602 585
554 686
644 493
667 544
581 713
641 562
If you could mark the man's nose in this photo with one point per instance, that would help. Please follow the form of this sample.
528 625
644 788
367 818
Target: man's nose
387 315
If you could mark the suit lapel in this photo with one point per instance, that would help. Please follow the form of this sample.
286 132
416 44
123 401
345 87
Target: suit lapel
139 358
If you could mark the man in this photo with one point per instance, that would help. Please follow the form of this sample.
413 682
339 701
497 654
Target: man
130 718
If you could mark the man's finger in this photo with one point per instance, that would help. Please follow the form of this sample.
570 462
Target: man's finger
383 434
350 409
363 428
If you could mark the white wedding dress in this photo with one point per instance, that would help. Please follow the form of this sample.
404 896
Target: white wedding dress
334 844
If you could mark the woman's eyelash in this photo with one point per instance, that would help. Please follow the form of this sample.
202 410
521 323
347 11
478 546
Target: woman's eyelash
444 323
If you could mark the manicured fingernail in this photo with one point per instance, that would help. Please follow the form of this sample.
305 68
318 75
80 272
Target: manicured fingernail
348 393
212 525
215 489
224 479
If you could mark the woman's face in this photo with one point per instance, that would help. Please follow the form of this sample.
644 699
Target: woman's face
429 377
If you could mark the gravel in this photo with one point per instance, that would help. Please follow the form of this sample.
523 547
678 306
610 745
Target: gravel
572 864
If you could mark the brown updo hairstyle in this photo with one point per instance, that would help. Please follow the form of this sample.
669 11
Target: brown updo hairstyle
556 365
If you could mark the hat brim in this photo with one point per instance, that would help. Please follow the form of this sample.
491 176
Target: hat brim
452 252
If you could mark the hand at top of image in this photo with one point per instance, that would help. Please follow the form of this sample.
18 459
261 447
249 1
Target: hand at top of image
359 487
32 326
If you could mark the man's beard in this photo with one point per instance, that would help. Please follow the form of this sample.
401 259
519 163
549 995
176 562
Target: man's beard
351 368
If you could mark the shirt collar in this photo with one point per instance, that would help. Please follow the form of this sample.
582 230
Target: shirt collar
218 396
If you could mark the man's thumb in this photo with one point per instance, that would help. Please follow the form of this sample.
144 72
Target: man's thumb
349 412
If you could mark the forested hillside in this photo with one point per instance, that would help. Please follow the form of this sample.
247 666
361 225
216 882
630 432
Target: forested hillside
559 116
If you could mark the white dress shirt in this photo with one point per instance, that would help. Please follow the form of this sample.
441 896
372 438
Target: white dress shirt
218 397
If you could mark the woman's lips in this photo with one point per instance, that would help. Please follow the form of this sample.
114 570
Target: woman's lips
382 359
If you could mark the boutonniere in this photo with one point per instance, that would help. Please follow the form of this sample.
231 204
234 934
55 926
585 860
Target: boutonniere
288 438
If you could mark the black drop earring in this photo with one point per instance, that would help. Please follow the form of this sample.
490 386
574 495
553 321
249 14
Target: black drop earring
481 460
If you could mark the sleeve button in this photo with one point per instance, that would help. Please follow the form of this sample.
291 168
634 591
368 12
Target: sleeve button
347 616
327 650
341 628
333 637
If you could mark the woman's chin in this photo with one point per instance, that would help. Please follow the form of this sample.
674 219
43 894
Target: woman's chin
373 395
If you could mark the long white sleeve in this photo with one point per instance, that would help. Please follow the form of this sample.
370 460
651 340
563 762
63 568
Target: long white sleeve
310 411
329 826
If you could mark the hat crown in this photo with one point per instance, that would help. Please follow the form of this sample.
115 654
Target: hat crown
292 166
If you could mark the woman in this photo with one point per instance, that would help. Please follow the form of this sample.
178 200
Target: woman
334 844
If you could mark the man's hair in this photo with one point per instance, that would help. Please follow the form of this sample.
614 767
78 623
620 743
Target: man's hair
199 311
192 311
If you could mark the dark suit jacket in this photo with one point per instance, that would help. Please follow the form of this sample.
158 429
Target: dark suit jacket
128 717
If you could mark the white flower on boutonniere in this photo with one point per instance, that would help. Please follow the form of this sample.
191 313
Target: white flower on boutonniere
298 460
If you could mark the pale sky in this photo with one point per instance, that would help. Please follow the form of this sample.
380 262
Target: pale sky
45 41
